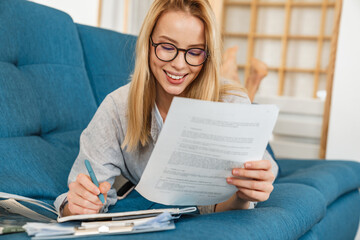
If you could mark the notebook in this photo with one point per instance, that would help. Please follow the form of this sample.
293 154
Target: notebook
15 206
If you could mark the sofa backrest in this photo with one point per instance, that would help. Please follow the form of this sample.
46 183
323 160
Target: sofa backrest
51 82
109 59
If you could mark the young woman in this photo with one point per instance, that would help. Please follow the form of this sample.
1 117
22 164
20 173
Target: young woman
177 54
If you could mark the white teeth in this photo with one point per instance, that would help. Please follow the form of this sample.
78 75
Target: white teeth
174 77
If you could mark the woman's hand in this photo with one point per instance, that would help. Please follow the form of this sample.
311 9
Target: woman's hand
83 196
254 183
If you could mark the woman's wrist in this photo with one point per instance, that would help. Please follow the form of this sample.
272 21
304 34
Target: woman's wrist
239 203
233 203
66 211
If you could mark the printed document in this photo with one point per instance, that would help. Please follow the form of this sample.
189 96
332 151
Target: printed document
199 145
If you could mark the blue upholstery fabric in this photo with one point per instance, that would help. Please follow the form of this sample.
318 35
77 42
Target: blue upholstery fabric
54 74
40 75
280 218
331 178
341 221
45 98
109 59
271 152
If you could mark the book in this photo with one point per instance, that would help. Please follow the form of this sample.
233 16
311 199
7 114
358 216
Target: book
12 206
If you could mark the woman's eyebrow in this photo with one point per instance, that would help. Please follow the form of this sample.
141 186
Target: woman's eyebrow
166 38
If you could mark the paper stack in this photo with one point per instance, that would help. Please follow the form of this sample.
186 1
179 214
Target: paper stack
161 222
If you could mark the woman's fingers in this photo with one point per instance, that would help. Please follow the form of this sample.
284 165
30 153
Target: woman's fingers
74 198
76 209
253 174
254 181
78 205
86 182
83 195
258 165
104 187
78 190
251 184
252 195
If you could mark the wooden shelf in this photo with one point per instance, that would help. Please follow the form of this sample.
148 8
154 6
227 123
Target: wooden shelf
248 4
270 36
278 4
295 70
253 6
284 37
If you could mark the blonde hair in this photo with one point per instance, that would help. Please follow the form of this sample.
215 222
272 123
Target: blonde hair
142 93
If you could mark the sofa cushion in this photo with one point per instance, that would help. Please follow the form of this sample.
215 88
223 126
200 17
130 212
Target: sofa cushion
109 58
45 98
331 178
42 164
44 85
340 221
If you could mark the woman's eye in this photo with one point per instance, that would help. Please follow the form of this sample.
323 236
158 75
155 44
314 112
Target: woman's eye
167 47
195 52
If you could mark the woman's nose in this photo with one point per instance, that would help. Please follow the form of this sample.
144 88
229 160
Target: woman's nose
179 62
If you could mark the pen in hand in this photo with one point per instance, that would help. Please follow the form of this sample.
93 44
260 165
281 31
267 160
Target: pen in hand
93 179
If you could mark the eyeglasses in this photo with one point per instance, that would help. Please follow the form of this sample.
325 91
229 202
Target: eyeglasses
167 52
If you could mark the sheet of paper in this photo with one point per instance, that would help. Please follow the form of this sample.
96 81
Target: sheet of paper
48 229
162 222
199 145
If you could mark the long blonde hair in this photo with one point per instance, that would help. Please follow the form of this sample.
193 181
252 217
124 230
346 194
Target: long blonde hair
142 93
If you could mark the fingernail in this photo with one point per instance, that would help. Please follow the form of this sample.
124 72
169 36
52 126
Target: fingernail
236 172
97 191
247 165
229 180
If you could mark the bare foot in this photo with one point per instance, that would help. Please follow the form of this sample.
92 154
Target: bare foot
229 67
258 70
229 70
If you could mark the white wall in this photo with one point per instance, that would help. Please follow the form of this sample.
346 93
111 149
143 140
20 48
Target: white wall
344 128
113 15
82 11
114 11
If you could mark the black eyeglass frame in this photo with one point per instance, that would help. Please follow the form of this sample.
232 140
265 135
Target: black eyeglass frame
155 45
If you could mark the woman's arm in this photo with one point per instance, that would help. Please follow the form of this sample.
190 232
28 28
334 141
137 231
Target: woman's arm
100 144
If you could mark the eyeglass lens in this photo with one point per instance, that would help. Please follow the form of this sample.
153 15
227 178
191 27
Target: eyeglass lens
193 56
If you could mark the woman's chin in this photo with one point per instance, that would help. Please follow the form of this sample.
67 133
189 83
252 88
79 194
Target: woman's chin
175 91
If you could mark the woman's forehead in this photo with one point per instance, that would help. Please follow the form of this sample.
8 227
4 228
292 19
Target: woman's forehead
181 27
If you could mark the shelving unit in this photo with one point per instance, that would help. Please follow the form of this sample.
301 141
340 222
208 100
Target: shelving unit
317 47
253 35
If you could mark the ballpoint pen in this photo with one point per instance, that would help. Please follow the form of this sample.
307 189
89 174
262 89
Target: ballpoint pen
93 179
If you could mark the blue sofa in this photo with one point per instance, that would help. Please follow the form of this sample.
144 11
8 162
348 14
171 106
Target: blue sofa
53 76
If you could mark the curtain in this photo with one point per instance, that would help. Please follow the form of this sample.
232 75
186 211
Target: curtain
124 16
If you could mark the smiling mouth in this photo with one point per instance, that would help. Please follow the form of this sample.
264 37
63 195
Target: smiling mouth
175 77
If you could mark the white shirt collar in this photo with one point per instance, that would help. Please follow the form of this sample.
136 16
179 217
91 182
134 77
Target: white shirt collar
158 117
